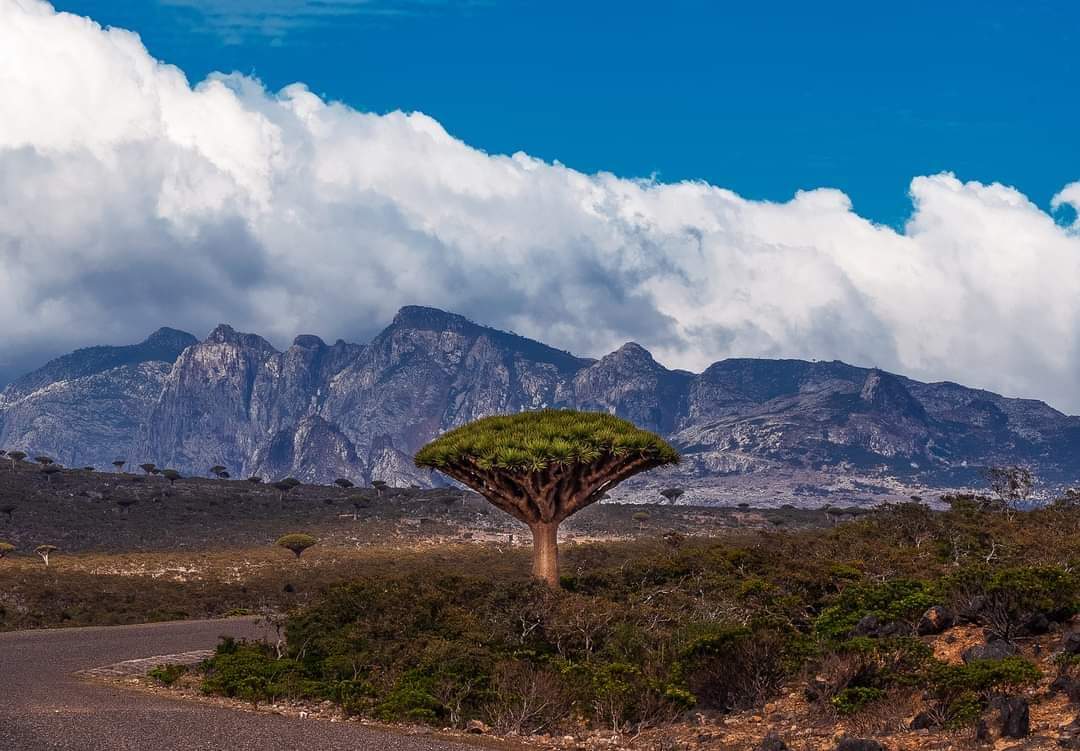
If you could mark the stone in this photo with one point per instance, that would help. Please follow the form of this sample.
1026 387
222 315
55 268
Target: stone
923 721
859 744
1064 684
996 649
868 625
1015 718
477 727
772 742
1070 643
1036 625
934 621
894 628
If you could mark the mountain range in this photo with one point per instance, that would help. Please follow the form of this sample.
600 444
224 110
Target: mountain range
754 430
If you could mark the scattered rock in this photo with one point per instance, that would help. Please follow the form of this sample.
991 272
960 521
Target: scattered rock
1070 643
772 742
923 721
1036 625
1015 718
871 625
1063 684
997 649
477 727
859 744
895 628
868 625
934 621
1070 735
816 689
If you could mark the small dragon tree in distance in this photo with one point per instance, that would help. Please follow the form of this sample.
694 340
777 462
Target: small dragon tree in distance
543 466
297 542
45 551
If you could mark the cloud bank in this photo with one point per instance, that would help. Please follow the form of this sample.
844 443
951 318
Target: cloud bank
131 199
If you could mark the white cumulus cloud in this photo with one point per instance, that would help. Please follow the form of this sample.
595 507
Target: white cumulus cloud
130 198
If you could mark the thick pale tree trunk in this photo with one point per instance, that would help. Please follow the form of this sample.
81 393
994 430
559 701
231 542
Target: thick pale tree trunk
546 552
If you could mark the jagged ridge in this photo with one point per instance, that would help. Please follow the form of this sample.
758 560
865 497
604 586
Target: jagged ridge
320 411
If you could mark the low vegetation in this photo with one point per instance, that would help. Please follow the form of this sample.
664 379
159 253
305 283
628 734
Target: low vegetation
660 610
643 632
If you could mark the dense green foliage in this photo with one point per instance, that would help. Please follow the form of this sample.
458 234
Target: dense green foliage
642 633
531 441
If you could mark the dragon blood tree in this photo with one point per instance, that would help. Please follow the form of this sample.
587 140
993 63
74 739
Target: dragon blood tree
541 467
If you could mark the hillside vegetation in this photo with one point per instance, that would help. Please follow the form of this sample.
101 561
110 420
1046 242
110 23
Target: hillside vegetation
903 623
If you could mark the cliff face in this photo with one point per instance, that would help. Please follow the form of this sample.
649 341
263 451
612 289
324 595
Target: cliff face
86 408
320 411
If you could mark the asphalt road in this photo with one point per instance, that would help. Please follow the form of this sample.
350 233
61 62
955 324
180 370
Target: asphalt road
43 706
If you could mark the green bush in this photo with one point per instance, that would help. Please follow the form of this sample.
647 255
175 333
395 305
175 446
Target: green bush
960 693
851 700
167 674
248 671
1004 600
899 600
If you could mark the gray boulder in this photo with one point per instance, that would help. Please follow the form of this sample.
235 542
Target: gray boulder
996 649
934 621
1015 718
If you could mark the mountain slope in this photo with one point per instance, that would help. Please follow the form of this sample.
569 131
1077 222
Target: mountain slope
785 429
88 406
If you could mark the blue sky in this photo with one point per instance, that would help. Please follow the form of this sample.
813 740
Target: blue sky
762 98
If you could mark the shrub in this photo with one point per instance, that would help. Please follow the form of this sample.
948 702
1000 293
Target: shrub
646 631
856 671
248 671
958 694
167 674
854 699
730 668
1006 600
899 600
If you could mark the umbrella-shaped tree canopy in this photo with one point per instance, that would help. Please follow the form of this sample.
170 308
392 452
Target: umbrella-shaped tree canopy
543 466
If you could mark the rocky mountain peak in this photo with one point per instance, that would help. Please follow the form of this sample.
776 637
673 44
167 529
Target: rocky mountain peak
416 319
171 339
164 345
310 341
431 319
887 393
633 352
223 333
